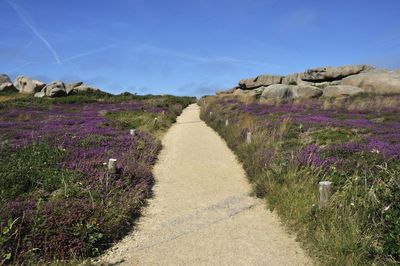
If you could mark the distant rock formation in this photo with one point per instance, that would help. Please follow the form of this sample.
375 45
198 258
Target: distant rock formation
6 84
27 85
320 82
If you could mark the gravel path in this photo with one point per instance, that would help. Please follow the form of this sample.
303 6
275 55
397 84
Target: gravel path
201 213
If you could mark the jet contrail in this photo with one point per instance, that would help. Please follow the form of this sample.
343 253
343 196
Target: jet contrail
35 31
94 51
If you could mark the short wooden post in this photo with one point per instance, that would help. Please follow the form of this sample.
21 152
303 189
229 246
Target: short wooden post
132 132
248 138
112 166
227 123
155 121
211 113
325 192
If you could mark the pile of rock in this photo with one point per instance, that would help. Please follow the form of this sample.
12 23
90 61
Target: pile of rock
321 81
27 85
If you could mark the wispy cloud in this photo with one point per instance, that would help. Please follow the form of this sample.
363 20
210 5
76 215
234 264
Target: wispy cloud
35 31
20 66
90 52
196 59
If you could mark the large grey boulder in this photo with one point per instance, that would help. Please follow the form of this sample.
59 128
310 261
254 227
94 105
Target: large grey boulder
40 94
333 73
293 79
278 91
306 92
259 81
27 85
71 86
255 93
376 82
341 90
55 89
6 84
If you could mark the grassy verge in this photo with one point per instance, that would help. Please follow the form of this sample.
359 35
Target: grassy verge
58 203
296 145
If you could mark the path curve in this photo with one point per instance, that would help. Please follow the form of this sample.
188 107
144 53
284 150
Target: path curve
201 213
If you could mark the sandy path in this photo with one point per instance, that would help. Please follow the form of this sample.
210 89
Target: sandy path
201 213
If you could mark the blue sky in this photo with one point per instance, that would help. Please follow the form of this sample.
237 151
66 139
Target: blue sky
191 47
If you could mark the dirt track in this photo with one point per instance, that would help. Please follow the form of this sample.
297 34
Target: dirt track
201 213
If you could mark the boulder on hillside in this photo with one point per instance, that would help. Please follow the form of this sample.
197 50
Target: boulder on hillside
27 85
376 82
4 79
255 93
278 91
259 81
293 79
306 92
83 88
6 84
333 73
341 90
69 88
40 94
55 89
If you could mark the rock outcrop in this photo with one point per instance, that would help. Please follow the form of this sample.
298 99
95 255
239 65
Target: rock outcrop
27 85
69 88
278 91
6 84
322 81
259 81
306 92
341 90
55 89
376 82
333 73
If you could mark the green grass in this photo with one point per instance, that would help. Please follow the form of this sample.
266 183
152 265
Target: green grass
21 175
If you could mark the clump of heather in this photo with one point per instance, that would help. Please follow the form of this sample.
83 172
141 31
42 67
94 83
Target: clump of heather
57 199
352 142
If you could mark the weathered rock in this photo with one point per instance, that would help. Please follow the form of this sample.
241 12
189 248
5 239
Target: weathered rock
376 82
341 90
28 85
69 88
55 89
40 94
7 87
293 79
255 93
259 81
306 92
333 73
84 88
4 79
278 91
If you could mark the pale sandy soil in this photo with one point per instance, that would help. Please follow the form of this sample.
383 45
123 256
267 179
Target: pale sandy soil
201 213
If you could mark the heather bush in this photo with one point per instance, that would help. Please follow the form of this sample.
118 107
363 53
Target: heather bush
297 144
57 200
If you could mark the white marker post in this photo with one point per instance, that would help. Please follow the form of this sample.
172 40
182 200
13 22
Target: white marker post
211 114
112 166
155 121
227 123
325 192
132 132
248 138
